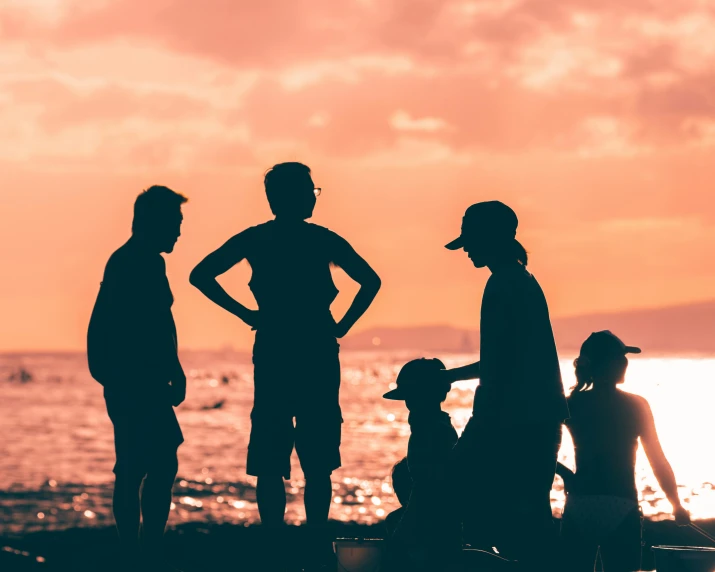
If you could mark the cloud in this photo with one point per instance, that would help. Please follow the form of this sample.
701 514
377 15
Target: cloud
401 121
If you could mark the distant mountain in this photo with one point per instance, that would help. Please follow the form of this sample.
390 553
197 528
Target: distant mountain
676 329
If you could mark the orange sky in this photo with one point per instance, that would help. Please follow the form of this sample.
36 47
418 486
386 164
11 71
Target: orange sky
594 119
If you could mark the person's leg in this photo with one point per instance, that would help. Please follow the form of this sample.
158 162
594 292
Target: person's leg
156 500
129 473
318 426
531 534
272 436
318 498
126 509
472 469
622 552
271 499
579 554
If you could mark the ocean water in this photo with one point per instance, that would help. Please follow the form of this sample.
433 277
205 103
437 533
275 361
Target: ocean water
56 450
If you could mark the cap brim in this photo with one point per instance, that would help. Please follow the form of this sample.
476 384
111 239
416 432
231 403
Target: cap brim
456 244
632 350
395 395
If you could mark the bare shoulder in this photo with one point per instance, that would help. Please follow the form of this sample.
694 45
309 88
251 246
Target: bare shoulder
638 404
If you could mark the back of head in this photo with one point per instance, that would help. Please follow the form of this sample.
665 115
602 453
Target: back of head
289 189
602 361
402 481
156 206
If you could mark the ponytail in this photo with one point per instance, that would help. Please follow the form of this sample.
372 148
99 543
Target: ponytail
584 374
520 252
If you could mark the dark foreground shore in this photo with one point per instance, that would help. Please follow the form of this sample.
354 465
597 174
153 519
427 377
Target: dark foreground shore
199 547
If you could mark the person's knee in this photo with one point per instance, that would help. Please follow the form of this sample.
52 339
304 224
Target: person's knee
128 477
317 476
164 469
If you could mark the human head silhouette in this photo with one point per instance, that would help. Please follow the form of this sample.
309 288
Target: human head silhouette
290 191
420 385
157 217
489 235
402 481
602 361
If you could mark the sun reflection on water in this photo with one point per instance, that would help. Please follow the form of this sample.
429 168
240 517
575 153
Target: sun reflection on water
62 459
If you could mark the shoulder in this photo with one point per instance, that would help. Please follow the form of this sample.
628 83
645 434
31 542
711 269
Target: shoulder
122 261
322 232
637 403
330 239
251 235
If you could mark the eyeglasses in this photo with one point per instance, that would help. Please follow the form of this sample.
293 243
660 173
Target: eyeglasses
317 191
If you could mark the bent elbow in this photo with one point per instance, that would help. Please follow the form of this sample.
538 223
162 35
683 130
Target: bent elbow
375 284
196 278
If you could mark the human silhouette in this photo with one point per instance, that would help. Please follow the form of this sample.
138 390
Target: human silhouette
506 456
606 422
132 352
396 557
296 353
430 529
402 486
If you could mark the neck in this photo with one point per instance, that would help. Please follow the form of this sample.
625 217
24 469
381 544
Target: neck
142 241
605 387
503 264
288 219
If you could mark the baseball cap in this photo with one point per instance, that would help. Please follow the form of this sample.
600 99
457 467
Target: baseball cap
493 217
605 345
413 375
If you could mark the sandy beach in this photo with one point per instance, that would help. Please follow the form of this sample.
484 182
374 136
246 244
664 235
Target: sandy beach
201 547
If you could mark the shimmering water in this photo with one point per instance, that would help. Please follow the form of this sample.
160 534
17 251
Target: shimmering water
56 452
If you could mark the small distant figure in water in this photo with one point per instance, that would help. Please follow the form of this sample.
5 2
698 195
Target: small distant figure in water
132 352
602 510
295 355
429 531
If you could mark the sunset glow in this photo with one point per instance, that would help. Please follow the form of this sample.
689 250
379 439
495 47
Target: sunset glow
594 120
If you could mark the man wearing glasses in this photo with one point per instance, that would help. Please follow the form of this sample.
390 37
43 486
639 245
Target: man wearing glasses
297 370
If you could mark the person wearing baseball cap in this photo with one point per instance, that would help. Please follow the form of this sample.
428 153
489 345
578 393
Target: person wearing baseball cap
602 511
429 532
514 434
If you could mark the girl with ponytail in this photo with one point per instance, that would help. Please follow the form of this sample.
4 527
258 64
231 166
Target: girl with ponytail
602 512
514 434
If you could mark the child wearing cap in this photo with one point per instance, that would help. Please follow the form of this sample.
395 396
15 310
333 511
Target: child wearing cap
429 530
602 512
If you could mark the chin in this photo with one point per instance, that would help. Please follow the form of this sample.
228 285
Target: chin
169 249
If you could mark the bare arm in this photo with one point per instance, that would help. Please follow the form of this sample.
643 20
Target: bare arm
215 264
462 373
661 467
359 270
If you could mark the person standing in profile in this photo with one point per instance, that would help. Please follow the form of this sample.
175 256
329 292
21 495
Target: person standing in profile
511 442
602 515
295 355
132 352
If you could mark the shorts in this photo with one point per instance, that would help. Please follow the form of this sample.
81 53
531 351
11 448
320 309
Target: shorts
144 437
296 404
620 550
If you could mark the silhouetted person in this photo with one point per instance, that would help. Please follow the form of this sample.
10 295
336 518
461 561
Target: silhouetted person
402 485
510 444
602 503
297 370
396 556
132 352
430 529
